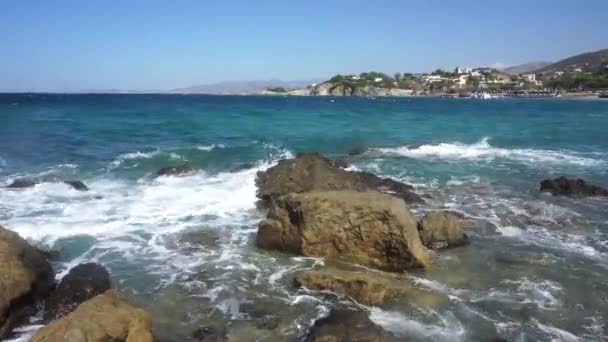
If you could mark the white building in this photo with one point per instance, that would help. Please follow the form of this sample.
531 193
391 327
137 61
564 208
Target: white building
378 79
431 78
530 78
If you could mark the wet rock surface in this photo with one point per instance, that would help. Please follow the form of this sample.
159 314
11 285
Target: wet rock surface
347 325
77 185
441 229
26 277
367 228
82 283
106 317
313 172
563 186
178 170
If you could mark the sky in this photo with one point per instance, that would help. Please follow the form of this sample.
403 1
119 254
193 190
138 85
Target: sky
75 45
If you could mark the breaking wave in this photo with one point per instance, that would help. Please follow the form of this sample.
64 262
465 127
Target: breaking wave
482 150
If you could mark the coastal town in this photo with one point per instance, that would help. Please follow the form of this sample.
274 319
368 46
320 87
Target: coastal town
574 76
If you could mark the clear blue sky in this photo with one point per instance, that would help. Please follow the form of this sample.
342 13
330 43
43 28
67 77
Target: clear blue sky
72 45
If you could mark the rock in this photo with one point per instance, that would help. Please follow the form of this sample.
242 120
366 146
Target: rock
243 167
26 277
82 283
344 325
77 185
21 183
209 334
311 171
106 317
563 186
341 163
368 228
357 151
174 170
441 229
369 288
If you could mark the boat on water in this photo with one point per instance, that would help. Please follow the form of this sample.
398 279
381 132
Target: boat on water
603 95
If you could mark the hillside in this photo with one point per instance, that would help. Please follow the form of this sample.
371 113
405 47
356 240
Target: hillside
590 61
525 68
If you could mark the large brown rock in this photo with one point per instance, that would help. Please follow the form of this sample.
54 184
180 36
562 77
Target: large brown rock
370 288
343 325
367 228
312 172
26 277
441 229
106 317
563 186
82 283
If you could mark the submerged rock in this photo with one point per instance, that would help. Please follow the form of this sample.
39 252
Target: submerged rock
563 186
441 229
82 283
368 228
313 172
77 185
174 170
106 317
21 183
209 334
370 288
25 278
347 325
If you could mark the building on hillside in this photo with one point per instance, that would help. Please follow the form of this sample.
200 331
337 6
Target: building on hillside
428 79
529 77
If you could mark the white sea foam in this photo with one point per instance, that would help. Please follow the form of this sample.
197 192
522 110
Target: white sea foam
444 327
209 147
557 335
482 150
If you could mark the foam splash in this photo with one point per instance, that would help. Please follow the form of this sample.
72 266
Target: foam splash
444 327
482 150
208 148
544 293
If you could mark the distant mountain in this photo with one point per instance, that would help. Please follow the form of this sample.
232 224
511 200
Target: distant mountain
243 87
590 61
525 68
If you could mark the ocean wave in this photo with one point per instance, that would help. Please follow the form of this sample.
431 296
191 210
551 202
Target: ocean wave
543 293
209 147
482 150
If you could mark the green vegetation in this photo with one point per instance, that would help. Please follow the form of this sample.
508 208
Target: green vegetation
278 89
579 81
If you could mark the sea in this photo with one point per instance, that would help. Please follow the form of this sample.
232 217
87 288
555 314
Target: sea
183 248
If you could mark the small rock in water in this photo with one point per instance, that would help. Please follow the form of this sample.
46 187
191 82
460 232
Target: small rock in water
21 183
563 186
209 334
357 151
441 229
82 283
174 170
77 185
348 325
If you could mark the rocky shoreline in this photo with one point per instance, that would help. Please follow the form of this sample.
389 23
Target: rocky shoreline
360 223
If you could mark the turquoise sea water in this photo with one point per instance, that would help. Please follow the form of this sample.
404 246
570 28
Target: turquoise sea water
537 268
